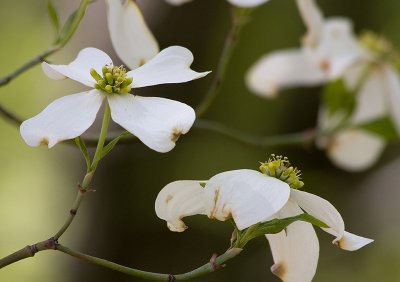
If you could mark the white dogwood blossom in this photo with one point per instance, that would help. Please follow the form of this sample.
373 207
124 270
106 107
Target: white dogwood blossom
250 197
157 122
132 40
239 3
328 48
331 51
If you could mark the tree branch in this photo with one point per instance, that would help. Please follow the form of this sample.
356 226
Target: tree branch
214 264
239 19
28 251
66 36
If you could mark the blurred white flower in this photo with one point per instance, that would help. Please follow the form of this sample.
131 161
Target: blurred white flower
132 40
239 3
330 51
328 48
157 122
250 197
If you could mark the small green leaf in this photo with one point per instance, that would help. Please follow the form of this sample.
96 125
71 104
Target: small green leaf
277 225
112 144
337 97
53 17
81 145
383 127
72 23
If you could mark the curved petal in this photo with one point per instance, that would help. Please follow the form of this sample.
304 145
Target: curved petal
321 209
370 100
130 36
177 2
337 48
393 89
157 122
325 211
354 149
79 69
313 19
180 199
283 69
351 242
65 118
247 196
295 250
247 3
171 65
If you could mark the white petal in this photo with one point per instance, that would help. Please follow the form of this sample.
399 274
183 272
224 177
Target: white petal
180 199
321 209
296 249
177 2
157 122
79 69
326 212
283 69
313 19
393 89
370 100
338 47
354 149
130 36
351 242
247 3
65 118
171 65
247 196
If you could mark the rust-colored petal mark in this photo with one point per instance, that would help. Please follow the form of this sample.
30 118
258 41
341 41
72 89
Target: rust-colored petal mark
279 270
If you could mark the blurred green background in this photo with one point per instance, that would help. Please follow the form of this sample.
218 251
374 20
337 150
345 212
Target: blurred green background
118 222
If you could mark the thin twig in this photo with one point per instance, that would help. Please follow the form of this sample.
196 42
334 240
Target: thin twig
61 42
239 19
10 116
28 251
214 264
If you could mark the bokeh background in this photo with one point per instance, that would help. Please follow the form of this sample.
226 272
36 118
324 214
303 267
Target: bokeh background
118 222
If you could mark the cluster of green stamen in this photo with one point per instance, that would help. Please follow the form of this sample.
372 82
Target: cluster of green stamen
280 168
114 79
380 46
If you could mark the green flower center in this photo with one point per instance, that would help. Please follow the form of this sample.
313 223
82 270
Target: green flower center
380 46
114 79
280 168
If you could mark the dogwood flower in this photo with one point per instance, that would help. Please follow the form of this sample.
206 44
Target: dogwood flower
239 3
330 51
157 122
132 40
328 48
249 197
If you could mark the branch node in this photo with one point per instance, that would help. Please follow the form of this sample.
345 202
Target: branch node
84 190
213 261
171 278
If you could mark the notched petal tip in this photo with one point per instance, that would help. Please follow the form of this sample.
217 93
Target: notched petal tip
177 226
351 242
279 270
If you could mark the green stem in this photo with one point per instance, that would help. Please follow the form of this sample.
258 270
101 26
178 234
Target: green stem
28 251
291 139
33 62
214 264
84 187
102 138
52 49
239 19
